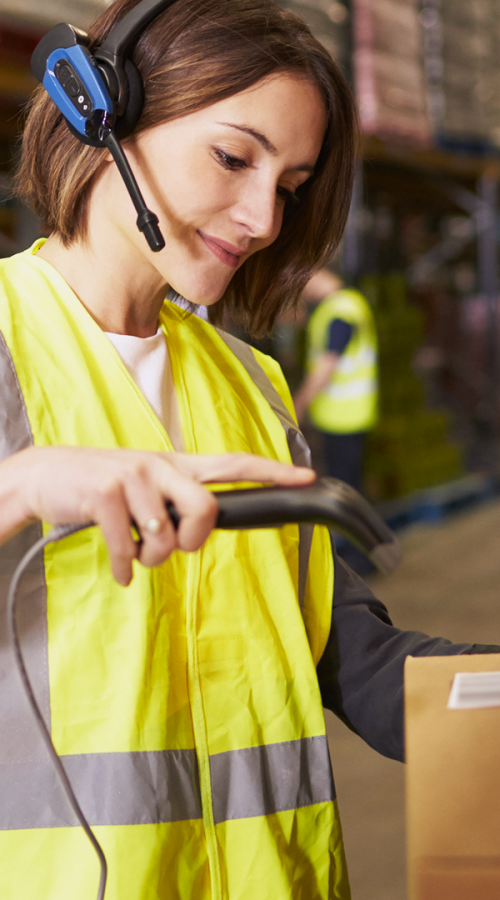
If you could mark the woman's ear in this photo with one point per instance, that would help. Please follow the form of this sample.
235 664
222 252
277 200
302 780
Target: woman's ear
108 158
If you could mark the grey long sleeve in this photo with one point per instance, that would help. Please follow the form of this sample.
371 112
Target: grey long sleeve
361 671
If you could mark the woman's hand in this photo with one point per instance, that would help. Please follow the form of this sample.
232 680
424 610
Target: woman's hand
63 485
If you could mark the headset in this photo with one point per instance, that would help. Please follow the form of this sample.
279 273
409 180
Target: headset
100 94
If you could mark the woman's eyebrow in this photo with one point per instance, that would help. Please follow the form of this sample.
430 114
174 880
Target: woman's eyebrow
265 142
261 138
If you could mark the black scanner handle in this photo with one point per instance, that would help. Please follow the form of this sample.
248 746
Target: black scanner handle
328 501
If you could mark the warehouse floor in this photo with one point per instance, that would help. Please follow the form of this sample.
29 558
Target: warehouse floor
449 585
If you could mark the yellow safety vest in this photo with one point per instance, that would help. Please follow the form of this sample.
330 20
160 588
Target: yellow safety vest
349 402
186 707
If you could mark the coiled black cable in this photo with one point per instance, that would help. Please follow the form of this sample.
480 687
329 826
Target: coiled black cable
327 502
61 531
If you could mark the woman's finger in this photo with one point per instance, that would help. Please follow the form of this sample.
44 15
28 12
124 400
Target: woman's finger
196 506
109 510
146 505
240 467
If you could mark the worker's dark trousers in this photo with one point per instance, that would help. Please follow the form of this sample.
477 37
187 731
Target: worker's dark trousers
344 456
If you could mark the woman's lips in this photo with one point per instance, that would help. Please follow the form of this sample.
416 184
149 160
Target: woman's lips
226 253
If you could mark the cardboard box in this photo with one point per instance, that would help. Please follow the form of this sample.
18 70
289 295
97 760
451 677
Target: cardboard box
453 784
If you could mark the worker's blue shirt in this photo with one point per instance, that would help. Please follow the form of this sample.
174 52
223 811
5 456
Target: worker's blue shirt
339 335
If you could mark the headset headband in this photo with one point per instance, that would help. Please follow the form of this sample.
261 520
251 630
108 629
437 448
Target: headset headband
131 27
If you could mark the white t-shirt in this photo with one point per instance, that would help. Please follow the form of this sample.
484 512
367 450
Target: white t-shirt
148 363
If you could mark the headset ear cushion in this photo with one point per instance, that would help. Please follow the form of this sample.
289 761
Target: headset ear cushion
126 123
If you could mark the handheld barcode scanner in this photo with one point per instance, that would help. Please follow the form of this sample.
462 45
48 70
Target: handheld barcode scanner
327 502
100 92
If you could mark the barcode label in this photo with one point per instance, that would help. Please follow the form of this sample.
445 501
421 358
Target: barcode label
475 690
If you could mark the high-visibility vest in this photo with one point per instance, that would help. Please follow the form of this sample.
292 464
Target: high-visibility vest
349 401
185 707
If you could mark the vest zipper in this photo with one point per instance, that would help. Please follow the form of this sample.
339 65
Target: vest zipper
199 724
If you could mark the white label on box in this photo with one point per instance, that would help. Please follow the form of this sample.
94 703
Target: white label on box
475 690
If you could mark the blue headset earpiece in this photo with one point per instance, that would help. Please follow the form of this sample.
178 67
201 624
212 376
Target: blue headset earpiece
100 94
65 67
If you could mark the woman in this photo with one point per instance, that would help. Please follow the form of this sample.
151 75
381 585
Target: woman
184 702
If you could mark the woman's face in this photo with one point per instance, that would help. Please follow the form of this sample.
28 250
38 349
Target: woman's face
219 180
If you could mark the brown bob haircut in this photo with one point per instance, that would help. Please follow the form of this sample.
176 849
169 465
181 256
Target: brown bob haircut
196 53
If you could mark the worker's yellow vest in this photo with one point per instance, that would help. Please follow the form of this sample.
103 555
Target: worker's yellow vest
349 402
186 707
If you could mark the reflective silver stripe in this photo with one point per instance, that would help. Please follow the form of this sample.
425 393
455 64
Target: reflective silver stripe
259 781
297 444
361 387
154 787
299 449
366 356
19 737
112 788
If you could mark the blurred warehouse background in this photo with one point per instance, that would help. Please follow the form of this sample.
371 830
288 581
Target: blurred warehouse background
421 244
422 236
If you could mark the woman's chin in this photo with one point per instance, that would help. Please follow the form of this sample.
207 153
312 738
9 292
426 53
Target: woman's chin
201 294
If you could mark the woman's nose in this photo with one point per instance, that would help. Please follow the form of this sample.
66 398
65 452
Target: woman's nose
258 210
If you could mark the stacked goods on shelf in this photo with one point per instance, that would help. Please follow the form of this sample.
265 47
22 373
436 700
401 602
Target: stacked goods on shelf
329 21
16 84
389 69
7 211
462 43
409 448
16 80
43 15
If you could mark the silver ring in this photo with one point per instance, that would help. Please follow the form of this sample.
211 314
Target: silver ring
153 525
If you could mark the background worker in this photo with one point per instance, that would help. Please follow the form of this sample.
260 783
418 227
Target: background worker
339 391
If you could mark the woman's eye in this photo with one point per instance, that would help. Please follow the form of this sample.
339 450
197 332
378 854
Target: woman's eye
228 161
235 163
288 196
